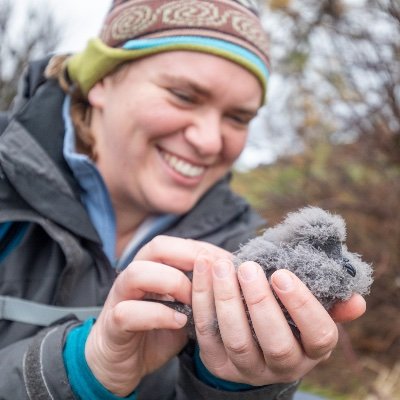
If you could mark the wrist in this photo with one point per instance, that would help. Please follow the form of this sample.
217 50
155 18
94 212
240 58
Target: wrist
83 382
113 369
211 380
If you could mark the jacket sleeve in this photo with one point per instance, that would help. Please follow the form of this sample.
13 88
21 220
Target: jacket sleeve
33 368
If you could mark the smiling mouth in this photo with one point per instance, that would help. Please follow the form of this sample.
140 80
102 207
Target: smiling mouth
181 166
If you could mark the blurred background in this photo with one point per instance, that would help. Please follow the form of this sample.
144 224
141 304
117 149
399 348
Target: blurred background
329 136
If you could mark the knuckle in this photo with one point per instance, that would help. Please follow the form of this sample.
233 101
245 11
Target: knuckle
194 245
238 348
206 328
256 300
324 343
301 302
280 355
207 249
226 296
155 243
177 282
118 315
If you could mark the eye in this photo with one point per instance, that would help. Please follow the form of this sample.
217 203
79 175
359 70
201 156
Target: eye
348 267
183 96
240 120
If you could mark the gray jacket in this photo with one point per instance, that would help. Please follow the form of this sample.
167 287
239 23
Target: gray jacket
60 261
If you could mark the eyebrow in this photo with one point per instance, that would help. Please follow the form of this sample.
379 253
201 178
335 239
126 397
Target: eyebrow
201 90
204 92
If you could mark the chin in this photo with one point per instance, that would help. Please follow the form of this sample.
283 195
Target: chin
178 201
178 210
174 206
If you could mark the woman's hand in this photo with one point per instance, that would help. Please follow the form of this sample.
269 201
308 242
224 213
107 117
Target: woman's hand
279 357
132 337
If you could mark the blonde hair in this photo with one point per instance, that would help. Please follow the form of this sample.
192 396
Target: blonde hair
81 109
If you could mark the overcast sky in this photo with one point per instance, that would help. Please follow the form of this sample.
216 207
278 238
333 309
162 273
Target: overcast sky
81 18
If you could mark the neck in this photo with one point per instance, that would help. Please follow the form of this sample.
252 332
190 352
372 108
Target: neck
127 223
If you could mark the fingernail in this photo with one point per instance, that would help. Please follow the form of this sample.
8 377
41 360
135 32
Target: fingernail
221 268
248 271
180 318
283 280
200 265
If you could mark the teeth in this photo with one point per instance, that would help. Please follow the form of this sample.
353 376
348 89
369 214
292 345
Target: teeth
182 167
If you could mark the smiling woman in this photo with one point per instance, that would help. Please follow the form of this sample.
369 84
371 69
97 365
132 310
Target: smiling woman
179 131
117 163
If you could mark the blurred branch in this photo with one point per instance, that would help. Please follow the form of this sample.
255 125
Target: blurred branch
24 37
342 65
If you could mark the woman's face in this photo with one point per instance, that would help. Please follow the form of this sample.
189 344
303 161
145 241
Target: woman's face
167 127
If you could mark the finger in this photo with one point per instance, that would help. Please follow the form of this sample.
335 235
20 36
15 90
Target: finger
280 348
142 277
178 252
204 314
136 316
318 331
233 323
349 310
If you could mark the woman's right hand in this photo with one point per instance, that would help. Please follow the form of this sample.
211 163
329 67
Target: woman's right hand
133 337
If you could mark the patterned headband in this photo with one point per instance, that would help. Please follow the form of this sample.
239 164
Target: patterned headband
137 28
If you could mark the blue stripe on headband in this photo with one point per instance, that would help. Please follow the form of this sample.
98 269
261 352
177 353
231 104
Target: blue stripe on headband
138 44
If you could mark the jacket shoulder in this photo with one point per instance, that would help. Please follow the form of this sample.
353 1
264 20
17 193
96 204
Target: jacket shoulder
32 78
4 119
221 217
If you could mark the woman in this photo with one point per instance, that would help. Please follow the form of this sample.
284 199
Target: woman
140 143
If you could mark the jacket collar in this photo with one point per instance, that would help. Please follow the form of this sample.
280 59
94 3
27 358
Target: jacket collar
32 159
217 208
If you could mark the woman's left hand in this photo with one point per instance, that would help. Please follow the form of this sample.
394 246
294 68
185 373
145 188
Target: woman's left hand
217 294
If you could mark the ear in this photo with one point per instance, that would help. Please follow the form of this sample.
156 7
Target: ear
97 95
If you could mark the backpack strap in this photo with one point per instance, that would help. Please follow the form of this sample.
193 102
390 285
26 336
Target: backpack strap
30 312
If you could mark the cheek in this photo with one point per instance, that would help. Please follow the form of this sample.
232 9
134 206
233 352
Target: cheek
233 146
158 119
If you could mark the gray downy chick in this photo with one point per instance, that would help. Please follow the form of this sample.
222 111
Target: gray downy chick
311 244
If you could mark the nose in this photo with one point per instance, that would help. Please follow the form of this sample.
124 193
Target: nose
204 133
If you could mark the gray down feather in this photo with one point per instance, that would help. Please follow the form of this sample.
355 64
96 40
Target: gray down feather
311 244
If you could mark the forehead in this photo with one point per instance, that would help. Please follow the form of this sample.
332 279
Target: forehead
211 73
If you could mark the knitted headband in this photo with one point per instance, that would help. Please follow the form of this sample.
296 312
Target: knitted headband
137 28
